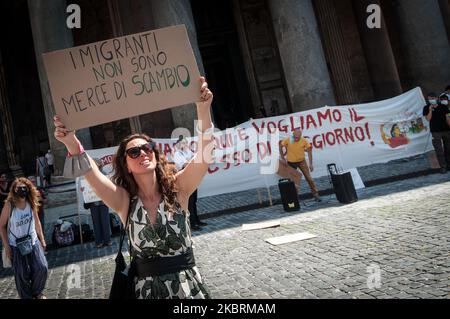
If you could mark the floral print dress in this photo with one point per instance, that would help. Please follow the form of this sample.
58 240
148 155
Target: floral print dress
170 236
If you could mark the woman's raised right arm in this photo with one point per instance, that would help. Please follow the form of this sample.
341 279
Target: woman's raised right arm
112 195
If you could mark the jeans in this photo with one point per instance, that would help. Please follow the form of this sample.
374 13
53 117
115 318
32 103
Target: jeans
102 226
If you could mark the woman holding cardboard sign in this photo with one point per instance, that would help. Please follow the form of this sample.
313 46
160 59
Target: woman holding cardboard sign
152 202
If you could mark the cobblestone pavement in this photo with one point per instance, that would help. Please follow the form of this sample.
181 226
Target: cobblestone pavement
62 199
398 230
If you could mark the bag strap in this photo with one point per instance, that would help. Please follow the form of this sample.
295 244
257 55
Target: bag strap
124 230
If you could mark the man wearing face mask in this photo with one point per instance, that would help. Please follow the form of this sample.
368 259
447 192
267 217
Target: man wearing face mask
438 114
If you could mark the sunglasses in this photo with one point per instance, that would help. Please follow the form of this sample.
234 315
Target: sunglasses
135 152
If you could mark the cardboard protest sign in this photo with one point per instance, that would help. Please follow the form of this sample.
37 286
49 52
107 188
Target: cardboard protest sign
123 77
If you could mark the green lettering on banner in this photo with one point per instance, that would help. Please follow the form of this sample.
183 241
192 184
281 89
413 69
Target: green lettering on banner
186 82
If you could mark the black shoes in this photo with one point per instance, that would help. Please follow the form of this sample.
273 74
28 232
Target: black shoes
202 223
443 170
318 199
195 227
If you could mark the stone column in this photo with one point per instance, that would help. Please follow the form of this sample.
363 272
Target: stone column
378 52
7 126
425 43
50 33
445 11
302 55
133 16
172 12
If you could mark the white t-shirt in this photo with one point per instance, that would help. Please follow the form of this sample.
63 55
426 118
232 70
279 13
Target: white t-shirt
19 224
181 157
50 158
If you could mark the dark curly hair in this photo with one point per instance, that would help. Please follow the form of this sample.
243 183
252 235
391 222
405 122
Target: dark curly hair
164 173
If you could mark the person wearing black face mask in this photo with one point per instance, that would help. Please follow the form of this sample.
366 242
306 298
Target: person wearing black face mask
22 192
23 239
437 113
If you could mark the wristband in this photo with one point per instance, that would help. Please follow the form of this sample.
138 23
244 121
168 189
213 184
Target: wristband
80 150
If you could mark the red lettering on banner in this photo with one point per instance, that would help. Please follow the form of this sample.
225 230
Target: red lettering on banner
317 143
167 149
348 131
271 127
368 131
227 163
282 128
359 133
263 149
236 159
331 139
108 159
258 129
342 136
247 158
356 117
310 121
337 116
324 116
293 127
339 136
224 141
242 135
212 170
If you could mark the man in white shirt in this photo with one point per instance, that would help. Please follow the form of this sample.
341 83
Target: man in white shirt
181 157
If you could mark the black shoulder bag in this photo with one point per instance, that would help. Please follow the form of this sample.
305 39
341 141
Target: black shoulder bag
123 286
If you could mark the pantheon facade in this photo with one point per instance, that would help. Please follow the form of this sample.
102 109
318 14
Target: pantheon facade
261 58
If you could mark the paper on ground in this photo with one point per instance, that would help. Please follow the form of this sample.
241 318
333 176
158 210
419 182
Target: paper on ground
263 225
289 238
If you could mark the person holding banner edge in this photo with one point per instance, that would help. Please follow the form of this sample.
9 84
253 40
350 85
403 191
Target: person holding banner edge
438 114
152 202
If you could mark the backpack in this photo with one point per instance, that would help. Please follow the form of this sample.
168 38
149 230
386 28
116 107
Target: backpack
87 232
61 238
